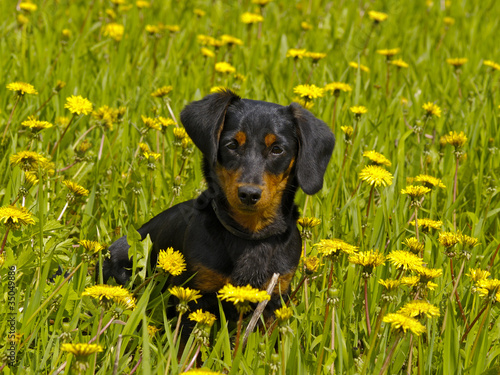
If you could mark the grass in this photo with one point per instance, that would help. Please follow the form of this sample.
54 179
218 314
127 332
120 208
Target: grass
67 41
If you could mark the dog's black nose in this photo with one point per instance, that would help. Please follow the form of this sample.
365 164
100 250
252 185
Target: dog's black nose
249 195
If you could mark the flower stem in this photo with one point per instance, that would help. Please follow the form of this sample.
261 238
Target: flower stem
455 188
238 333
177 328
194 359
370 200
389 356
4 241
10 117
62 135
373 339
464 336
367 313
334 115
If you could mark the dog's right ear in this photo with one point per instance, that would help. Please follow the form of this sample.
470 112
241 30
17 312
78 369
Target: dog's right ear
204 120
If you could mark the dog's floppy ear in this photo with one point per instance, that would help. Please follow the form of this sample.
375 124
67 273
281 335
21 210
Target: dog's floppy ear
316 142
204 119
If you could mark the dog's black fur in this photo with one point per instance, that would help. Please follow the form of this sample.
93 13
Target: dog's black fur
242 229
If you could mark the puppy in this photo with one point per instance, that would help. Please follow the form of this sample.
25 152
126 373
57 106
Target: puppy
242 229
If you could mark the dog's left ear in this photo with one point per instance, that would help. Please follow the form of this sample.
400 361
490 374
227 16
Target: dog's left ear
316 142
204 120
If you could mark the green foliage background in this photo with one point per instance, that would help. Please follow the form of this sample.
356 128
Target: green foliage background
124 192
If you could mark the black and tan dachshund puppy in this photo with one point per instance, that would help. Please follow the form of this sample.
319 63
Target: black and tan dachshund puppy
242 229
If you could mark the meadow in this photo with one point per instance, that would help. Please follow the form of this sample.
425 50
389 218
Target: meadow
401 266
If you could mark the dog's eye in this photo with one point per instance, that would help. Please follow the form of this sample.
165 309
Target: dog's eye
276 150
232 145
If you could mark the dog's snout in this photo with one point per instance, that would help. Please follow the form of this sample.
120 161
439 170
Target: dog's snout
249 195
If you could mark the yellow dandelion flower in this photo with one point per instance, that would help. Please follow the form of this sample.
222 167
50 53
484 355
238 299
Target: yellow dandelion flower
185 295
261 2
199 12
428 224
224 67
218 89
361 67
78 105
22 19
114 31
105 116
231 40
152 29
75 188
107 292
369 258
457 62
30 161
358 110
203 317
309 91
171 261
455 139
337 87
415 191
250 18
376 175
390 284
377 17
304 102
448 21
347 130
399 63
432 109
488 287
477 274
283 314
162 91
334 247
91 246
172 28
127 303
308 222
491 64
468 241
187 143
240 77
143 4
242 296
152 330
315 56
2 260
410 281
419 309
202 371
389 52
404 260
377 158
311 264
448 239
151 123
427 274
404 323
306 26
36 125
180 133
207 52
414 245
429 181
30 178
15 217
81 349
166 122
296 53
21 88
28 7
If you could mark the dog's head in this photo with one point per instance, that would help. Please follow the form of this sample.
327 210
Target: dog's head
257 149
